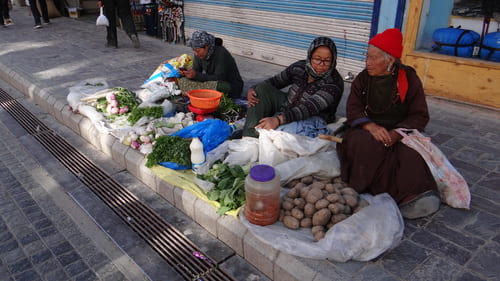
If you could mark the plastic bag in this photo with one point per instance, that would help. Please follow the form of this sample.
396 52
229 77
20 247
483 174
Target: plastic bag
452 186
161 73
276 147
102 19
243 151
324 165
363 236
211 132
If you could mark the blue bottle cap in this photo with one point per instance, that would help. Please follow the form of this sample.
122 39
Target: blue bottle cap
262 173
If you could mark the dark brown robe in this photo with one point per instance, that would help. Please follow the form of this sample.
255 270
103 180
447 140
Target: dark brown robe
366 164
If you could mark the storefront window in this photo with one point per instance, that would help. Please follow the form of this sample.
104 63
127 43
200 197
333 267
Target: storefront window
463 28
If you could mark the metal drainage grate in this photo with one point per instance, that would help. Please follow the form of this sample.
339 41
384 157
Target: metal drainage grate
167 241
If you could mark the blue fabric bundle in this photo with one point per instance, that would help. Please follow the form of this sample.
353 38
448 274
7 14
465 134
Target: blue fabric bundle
455 41
490 50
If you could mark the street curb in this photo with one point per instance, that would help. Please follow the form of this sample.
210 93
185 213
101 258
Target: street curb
227 229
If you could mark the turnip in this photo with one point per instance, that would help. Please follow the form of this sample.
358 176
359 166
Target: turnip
108 108
114 110
134 137
135 144
127 140
145 139
123 110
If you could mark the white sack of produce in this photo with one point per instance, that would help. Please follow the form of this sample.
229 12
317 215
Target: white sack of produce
276 147
242 151
322 165
363 236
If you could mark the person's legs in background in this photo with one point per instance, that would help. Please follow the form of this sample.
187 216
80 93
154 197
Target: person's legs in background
36 13
110 13
45 11
1 13
125 15
5 12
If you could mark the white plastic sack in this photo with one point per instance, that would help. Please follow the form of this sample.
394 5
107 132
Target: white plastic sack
323 165
102 19
242 151
276 147
362 237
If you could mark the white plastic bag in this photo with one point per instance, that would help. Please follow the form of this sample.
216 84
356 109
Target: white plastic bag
102 19
276 147
323 165
363 236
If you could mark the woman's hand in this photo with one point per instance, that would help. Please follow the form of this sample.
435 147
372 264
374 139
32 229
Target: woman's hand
379 133
252 97
190 73
268 123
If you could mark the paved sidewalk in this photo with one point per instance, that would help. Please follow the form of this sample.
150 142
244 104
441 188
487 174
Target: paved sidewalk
450 245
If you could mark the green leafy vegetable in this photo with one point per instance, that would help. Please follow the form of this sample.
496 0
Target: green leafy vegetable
138 112
229 188
170 149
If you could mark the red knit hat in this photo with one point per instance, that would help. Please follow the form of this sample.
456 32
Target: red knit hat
389 41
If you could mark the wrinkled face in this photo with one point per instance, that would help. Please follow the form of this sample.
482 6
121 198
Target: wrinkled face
321 59
377 62
201 52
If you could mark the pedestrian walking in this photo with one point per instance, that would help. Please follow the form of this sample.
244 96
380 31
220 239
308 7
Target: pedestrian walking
4 10
122 8
36 13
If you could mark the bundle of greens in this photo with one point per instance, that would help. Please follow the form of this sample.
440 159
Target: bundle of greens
229 188
116 102
170 149
139 112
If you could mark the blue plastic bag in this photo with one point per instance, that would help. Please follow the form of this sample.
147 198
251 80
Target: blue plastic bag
174 166
211 132
490 50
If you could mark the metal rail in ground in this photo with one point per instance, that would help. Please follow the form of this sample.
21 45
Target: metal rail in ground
185 257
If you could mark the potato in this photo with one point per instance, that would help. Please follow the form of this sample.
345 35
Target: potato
298 214
291 222
337 180
350 200
325 193
287 205
338 185
333 197
336 208
282 214
349 191
347 210
319 235
299 186
307 180
299 203
317 228
321 217
321 203
293 193
314 195
330 188
292 183
338 218
288 199
304 191
288 212
309 210
363 203
306 222
329 225
317 184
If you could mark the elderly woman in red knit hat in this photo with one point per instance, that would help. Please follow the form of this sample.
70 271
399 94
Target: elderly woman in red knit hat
384 96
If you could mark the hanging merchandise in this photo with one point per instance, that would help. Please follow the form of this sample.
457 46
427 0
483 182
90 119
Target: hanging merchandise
171 20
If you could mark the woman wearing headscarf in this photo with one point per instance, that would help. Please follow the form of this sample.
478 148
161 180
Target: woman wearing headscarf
387 95
315 91
213 67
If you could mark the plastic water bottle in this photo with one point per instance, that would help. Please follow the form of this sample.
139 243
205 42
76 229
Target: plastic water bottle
197 154
262 190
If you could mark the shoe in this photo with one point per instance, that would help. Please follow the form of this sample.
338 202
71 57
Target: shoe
3 25
37 26
46 22
135 40
8 22
421 206
111 45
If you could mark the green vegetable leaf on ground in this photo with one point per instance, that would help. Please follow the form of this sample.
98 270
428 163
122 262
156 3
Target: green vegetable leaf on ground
169 149
229 188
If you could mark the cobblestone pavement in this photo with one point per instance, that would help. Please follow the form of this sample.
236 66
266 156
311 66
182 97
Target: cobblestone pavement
452 244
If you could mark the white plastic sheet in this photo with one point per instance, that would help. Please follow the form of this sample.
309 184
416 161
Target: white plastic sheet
362 237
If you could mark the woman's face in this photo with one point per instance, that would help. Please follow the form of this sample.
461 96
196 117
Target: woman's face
201 52
377 62
321 59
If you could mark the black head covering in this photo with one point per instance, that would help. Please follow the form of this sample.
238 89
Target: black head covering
318 42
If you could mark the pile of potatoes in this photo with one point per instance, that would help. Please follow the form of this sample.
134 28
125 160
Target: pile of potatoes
318 204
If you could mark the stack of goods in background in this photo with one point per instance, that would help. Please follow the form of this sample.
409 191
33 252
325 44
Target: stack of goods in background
137 14
171 20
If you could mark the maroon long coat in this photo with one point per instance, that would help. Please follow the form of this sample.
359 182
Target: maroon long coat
370 167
